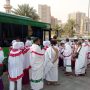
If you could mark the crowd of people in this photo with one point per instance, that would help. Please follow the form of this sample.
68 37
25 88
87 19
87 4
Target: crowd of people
76 56
30 63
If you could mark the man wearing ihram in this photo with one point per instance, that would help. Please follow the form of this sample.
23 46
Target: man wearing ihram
36 61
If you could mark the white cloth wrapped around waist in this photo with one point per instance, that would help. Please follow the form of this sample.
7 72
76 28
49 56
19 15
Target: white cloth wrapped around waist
15 65
48 63
36 57
1 56
26 60
67 51
36 61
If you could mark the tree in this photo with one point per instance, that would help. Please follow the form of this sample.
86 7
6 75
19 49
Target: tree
58 29
69 28
26 10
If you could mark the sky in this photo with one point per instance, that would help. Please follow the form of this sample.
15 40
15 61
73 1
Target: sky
59 8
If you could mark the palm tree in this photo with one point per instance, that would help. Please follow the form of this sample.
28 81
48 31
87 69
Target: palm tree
69 28
26 10
58 30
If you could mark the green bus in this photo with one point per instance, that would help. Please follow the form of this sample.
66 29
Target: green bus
13 26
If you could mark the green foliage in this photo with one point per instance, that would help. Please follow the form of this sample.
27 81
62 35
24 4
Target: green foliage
26 10
58 29
69 28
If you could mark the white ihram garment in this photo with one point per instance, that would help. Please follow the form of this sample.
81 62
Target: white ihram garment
88 56
46 44
26 53
1 55
81 61
50 69
67 57
19 85
36 72
15 67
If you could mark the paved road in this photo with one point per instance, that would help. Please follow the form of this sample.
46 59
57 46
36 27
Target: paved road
67 82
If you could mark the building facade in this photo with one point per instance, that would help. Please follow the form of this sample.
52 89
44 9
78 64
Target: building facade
44 12
80 23
54 21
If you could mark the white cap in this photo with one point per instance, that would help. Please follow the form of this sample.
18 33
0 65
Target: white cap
46 43
16 45
21 45
13 42
28 43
